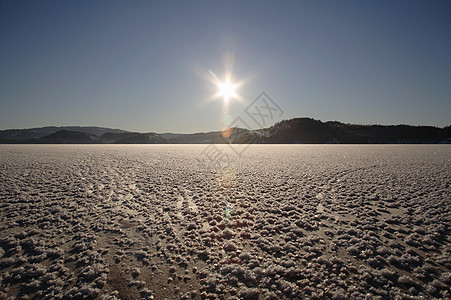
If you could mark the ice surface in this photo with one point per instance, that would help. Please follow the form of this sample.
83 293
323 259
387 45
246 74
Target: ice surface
316 221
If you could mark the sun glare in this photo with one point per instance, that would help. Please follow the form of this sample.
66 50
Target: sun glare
226 90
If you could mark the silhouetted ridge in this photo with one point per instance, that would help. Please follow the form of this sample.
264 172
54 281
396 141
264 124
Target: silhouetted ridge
307 130
294 131
36 133
71 137
142 138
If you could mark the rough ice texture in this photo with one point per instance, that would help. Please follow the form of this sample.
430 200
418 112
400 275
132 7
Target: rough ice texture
312 221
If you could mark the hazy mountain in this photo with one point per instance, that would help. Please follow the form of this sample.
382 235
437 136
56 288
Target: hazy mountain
213 137
36 133
71 137
112 137
141 138
294 131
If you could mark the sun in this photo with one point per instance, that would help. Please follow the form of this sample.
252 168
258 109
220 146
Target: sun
226 89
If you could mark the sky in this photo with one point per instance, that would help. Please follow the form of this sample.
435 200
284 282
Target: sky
147 65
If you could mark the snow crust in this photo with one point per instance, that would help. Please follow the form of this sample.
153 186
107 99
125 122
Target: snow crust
305 222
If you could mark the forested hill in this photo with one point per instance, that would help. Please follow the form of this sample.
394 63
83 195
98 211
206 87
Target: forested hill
307 130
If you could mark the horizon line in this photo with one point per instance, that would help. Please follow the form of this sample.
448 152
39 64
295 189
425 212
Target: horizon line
209 131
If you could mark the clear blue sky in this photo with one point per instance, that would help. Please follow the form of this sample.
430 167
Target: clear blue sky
136 65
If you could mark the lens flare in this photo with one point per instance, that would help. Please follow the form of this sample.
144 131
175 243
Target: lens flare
226 132
226 175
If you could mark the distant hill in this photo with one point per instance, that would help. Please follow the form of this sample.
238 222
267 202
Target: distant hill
307 130
141 138
71 137
213 137
36 133
112 137
293 131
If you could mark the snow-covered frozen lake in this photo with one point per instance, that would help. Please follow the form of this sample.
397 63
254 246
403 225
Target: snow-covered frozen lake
303 221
